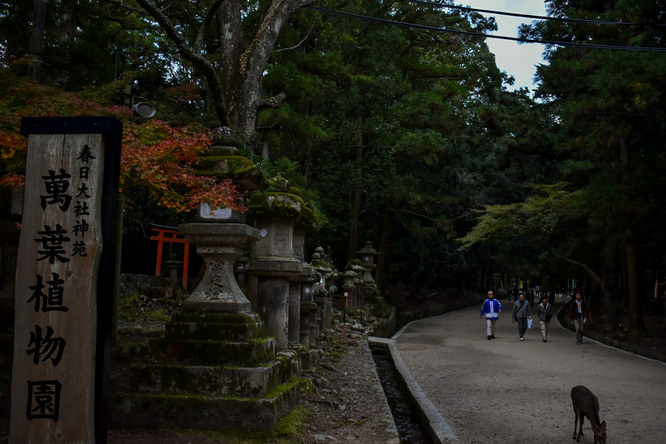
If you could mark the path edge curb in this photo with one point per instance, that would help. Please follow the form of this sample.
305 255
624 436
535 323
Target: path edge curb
436 426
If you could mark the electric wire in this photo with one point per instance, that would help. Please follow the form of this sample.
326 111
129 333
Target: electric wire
490 36
537 17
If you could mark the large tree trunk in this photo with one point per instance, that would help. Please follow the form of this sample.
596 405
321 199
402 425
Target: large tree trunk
244 84
236 83
355 201
636 323
384 240
36 45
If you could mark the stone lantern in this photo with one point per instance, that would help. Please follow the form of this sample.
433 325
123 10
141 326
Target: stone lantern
321 294
349 284
358 282
367 255
220 237
214 356
274 263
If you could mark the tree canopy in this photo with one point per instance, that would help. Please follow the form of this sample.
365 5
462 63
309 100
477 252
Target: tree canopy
609 110
403 136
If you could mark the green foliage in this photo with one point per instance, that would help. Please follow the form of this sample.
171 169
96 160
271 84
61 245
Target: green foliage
133 308
538 217
417 123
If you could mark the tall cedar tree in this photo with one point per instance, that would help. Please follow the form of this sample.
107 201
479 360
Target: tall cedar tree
610 103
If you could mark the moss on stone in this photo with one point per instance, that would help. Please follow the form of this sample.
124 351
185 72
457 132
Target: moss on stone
274 203
224 167
296 191
283 204
126 351
132 308
202 352
288 430
283 388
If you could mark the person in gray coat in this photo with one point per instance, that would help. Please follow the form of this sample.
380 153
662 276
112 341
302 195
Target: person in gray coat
521 313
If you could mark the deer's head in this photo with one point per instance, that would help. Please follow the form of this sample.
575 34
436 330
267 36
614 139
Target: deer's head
600 433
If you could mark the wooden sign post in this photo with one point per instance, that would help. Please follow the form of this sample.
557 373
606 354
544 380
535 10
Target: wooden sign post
65 280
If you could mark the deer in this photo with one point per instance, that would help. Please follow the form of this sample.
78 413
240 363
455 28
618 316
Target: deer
586 404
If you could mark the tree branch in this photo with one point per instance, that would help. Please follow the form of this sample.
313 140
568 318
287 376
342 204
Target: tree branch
188 53
128 8
595 277
272 102
212 11
299 43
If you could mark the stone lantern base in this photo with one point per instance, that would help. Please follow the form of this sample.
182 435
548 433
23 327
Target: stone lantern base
211 371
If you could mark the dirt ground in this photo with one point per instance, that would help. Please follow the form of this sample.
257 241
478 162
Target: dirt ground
506 390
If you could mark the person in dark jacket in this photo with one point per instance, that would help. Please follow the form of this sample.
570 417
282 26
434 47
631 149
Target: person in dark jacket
545 313
521 314
578 315
530 298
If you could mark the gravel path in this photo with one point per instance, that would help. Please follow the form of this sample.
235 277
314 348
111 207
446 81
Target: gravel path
504 390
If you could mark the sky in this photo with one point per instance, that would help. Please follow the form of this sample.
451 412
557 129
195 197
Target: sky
518 60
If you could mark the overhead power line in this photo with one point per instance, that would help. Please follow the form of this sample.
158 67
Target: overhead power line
479 34
536 17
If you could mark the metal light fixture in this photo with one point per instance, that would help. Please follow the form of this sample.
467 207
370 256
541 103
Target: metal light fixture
142 107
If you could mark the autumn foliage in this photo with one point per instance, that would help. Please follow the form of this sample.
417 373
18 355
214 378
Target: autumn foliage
165 158
156 155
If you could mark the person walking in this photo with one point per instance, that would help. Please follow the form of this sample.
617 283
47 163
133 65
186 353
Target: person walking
521 314
530 298
491 307
578 315
545 313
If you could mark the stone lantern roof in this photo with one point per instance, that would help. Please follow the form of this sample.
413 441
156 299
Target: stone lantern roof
282 200
367 250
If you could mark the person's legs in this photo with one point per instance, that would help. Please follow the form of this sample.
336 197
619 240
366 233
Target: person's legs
492 328
578 325
544 329
489 327
522 326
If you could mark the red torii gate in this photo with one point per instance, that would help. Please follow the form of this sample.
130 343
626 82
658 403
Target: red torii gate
170 234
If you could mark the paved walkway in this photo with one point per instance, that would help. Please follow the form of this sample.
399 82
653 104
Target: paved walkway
496 391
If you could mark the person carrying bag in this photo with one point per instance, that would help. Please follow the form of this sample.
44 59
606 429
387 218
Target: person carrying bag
521 314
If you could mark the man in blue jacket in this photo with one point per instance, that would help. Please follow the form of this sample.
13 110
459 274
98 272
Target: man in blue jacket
491 308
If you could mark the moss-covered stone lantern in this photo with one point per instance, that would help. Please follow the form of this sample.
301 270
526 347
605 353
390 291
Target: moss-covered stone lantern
214 368
367 255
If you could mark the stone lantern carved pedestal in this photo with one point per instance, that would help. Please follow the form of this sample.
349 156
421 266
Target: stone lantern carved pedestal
219 245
